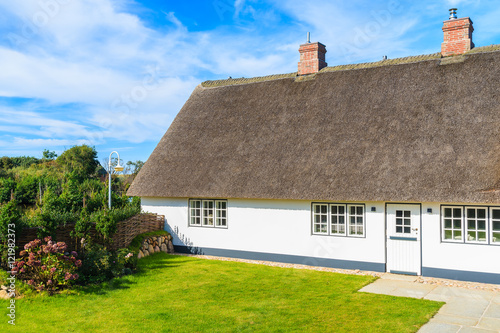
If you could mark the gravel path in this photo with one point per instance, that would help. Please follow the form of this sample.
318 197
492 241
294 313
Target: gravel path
419 279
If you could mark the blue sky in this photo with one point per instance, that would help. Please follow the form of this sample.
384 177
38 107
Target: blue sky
114 73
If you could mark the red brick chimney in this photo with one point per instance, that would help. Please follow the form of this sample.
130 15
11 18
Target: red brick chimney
312 57
457 35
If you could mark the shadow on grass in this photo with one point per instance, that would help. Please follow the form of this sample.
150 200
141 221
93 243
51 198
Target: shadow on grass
145 267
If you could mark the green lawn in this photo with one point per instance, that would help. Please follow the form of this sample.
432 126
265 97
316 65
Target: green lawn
184 294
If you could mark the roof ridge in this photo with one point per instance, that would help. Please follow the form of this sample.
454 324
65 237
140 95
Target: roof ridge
389 62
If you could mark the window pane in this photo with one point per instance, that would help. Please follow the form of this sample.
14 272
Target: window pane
471 236
399 213
407 230
324 209
457 235
447 223
496 226
399 221
334 209
481 236
457 212
447 212
471 213
447 234
496 214
457 224
399 229
481 213
359 210
407 213
341 209
471 224
341 219
496 237
481 225
353 210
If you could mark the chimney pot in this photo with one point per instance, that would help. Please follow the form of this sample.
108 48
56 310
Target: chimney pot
453 14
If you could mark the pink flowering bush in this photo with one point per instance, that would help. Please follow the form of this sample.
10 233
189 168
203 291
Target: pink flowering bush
46 265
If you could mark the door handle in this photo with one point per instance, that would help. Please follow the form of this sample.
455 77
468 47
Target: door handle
414 229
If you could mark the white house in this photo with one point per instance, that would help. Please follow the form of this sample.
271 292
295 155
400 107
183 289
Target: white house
387 166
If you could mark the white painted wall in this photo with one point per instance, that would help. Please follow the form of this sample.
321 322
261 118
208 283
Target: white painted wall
273 226
455 256
284 227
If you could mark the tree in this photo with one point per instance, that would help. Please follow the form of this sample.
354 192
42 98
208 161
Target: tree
6 163
134 167
80 160
49 155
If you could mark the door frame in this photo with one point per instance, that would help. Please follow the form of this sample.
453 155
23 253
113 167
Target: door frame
385 226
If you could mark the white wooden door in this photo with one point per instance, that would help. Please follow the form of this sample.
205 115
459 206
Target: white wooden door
403 239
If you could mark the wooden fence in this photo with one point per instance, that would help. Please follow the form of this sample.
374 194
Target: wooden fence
125 231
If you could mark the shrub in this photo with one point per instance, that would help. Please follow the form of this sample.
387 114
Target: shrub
100 265
7 186
47 266
10 223
27 190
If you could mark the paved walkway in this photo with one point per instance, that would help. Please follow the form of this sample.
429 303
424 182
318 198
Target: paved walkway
466 310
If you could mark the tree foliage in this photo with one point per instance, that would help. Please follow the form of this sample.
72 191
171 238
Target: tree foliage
79 160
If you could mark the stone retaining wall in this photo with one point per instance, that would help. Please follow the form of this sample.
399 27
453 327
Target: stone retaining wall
155 244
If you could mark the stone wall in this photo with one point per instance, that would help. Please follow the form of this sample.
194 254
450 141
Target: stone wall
156 244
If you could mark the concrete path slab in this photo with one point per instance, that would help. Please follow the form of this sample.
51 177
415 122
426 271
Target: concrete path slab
466 310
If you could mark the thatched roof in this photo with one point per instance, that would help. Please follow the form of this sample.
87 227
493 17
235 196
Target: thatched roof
418 129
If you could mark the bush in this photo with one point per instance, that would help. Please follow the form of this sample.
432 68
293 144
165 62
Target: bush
27 190
7 186
10 223
47 266
100 265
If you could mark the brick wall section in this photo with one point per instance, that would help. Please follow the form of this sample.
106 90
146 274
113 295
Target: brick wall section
125 231
457 37
312 58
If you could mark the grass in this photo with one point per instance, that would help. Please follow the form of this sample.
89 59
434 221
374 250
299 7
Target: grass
185 294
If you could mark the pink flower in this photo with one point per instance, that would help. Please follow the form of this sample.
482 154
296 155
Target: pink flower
47 239
49 282
74 254
75 276
23 253
53 269
129 255
44 267
78 263
22 270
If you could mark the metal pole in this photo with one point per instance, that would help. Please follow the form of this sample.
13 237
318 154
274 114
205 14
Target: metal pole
109 176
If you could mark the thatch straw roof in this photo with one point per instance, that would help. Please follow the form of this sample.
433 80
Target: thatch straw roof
418 129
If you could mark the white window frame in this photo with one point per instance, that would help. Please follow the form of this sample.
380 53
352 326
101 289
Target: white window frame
452 228
494 240
403 219
320 214
476 221
193 212
338 216
220 214
347 219
356 216
207 206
